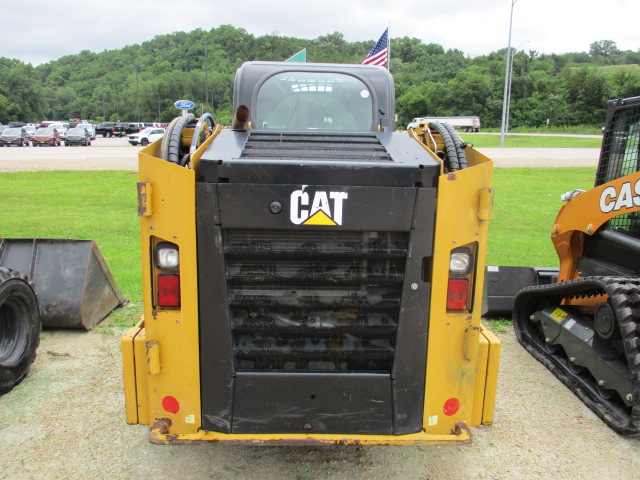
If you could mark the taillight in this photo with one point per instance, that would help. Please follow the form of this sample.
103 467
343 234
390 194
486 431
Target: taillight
168 290
461 269
457 294
167 271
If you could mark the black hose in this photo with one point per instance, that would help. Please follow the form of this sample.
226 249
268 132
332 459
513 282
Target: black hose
451 163
170 149
457 141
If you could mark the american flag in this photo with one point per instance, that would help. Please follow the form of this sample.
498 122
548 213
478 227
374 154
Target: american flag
378 54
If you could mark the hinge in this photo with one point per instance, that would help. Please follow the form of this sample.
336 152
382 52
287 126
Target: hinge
471 342
485 209
153 357
144 199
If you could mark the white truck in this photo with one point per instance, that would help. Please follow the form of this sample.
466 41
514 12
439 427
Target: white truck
464 123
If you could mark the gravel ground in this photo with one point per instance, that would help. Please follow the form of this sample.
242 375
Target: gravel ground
67 420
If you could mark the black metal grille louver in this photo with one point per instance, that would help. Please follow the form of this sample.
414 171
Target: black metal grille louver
364 147
314 301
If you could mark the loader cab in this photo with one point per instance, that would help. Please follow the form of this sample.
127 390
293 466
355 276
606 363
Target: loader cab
286 96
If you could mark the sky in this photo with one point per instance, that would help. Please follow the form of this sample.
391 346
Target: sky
38 33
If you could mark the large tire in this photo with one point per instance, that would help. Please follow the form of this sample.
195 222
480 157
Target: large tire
19 328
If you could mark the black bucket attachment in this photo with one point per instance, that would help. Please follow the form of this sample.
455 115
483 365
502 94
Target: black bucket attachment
504 283
74 286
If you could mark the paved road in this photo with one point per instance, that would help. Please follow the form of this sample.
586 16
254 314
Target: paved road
103 154
117 154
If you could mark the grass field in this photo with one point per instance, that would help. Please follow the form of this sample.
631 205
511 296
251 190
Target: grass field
531 141
101 205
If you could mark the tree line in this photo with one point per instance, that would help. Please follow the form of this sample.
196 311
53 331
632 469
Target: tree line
141 82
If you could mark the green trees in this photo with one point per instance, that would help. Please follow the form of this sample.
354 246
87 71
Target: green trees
146 79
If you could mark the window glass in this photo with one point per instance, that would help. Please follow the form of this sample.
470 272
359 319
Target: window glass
314 101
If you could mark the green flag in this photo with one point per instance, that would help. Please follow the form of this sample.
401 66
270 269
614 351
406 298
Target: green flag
301 56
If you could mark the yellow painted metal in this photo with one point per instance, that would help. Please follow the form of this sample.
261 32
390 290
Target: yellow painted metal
174 330
129 371
135 374
419 135
139 351
460 220
153 357
491 383
481 380
163 433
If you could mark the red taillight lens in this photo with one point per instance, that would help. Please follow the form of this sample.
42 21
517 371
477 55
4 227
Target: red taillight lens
457 294
168 290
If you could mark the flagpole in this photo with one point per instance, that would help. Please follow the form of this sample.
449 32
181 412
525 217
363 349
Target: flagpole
389 47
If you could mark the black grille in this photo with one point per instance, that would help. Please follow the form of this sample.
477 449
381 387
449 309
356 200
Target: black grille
364 147
319 301
621 156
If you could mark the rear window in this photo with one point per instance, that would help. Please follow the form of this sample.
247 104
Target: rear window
314 101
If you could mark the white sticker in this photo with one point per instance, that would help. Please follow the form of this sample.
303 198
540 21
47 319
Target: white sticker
364 93
570 323
190 419
492 268
433 420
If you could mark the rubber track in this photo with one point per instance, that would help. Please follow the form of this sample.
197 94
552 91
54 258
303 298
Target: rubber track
624 294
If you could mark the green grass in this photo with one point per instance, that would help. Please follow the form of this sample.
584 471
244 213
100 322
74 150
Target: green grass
553 130
96 205
526 202
530 141
632 68
102 206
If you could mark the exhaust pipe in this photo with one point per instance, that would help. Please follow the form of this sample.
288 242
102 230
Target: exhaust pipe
240 118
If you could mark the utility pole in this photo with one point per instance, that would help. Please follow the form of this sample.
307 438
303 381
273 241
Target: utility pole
206 76
507 84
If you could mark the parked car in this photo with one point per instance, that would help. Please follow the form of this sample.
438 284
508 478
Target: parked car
31 130
105 129
78 136
3 128
14 136
90 127
62 129
134 127
46 136
146 136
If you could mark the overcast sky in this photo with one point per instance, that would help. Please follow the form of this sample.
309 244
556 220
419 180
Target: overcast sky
42 31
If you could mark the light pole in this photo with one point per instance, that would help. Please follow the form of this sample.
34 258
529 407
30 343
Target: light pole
206 76
104 112
137 67
507 84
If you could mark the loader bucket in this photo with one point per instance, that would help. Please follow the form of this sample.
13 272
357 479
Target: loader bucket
502 284
74 286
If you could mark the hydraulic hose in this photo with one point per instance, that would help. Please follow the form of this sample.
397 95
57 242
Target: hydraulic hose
451 162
